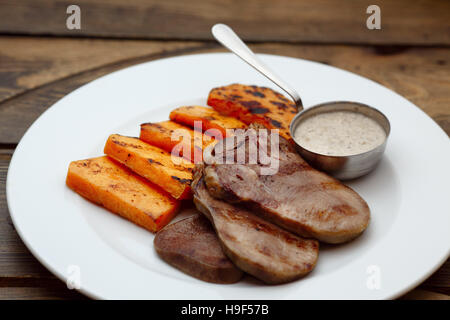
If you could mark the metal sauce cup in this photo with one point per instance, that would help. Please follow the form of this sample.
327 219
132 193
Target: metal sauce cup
343 167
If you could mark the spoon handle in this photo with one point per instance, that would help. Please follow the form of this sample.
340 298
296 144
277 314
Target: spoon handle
229 39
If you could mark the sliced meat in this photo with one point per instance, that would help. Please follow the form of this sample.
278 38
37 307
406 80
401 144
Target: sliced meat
192 246
256 246
296 197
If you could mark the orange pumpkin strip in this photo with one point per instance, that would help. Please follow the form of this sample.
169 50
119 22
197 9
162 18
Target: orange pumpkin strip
113 186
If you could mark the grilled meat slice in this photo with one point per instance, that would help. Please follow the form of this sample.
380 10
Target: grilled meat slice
192 246
256 246
297 197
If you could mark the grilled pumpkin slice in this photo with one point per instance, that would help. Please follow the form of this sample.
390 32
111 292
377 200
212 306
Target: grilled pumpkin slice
173 174
109 184
189 144
208 117
254 104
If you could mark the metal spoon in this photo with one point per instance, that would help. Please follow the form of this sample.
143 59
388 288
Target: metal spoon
226 36
341 167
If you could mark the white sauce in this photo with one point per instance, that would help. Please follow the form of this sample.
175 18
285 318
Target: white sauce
339 133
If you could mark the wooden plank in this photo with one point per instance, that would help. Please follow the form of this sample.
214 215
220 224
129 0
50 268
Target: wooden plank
59 292
5 157
321 21
28 63
23 277
16 262
420 74
440 280
38 72
419 294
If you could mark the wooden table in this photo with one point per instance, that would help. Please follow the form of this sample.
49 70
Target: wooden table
41 61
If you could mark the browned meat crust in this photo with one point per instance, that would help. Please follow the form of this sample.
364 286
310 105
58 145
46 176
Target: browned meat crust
297 198
256 246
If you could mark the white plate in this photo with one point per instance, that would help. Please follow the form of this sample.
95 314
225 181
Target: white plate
407 240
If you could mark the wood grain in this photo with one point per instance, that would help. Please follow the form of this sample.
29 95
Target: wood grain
419 294
52 73
28 63
5 157
39 71
21 273
16 262
58 292
322 21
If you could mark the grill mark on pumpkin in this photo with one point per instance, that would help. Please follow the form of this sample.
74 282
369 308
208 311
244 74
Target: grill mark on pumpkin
259 110
276 123
154 161
256 93
181 180
126 144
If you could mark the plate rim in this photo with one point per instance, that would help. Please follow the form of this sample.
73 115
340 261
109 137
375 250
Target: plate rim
63 278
